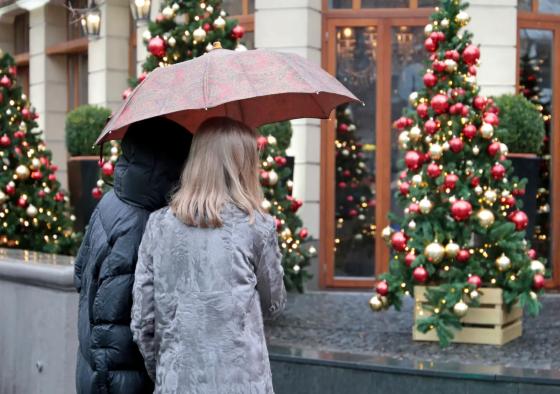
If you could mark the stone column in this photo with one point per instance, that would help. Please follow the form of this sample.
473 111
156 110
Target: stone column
141 48
48 83
108 55
295 26
494 25
7 37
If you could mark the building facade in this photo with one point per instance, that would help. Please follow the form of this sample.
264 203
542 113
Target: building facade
373 46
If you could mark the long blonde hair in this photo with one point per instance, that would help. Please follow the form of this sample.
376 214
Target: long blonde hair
222 168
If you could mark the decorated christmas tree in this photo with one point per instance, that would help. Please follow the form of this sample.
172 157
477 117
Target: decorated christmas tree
462 227
34 211
530 86
184 30
354 199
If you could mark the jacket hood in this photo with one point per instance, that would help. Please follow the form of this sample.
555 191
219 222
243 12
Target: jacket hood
153 154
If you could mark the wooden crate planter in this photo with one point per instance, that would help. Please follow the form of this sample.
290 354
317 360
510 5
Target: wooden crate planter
488 324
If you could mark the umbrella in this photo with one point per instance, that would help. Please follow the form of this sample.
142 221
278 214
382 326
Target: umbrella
255 87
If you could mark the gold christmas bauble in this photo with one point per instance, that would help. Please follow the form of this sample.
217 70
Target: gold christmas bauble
146 36
417 179
209 47
415 133
503 263
491 196
412 225
475 150
428 29
474 295
462 18
533 295
450 65
171 41
413 98
386 233
3 197
22 172
168 12
271 140
375 303
286 233
240 47
486 130
35 163
478 190
404 139
538 267
504 149
445 22
272 177
425 205
266 205
434 252
451 249
485 218
219 23
199 35
436 151
290 185
31 211
460 309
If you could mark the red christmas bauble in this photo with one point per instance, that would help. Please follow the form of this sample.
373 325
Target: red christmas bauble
493 148
342 127
409 258
142 76
19 134
398 241
420 274
413 208
36 175
518 192
463 256
466 110
456 109
10 188
26 114
156 46
508 201
430 80
498 171
207 27
22 202
108 168
412 159
54 168
353 213
350 198
280 161
342 185
532 253
440 103
5 82
422 110
41 194
382 288
438 66
492 118
538 281
1 97
431 126
480 102
430 44
96 193
303 233
52 177
126 93
238 31
5 141
347 173
456 144
475 280
469 131
453 54
278 224
262 142
403 174
59 197
473 70
471 54
404 188
433 170
461 210
520 219
450 181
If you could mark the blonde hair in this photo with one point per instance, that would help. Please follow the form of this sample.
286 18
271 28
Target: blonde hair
222 168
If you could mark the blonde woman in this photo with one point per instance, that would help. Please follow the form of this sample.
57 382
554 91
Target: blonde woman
208 271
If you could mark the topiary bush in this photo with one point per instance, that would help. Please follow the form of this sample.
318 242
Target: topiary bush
83 126
521 124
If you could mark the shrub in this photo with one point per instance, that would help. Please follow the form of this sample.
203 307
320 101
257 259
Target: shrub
83 126
521 124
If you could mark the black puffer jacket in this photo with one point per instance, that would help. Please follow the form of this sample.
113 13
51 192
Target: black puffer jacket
108 360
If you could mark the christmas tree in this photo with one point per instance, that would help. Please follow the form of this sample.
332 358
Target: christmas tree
354 199
35 212
530 87
462 227
184 30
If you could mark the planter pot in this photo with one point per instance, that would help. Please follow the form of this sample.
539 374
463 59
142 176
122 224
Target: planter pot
528 166
489 324
83 173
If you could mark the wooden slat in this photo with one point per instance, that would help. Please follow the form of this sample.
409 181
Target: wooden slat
487 295
78 45
375 13
473 335
491 316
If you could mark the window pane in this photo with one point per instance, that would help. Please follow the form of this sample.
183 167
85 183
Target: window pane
384 3
74 30
21 33
355 153
549 6
340 3
77 80
233 7
536 84
408 58
428 3
524 5
251 7
249 39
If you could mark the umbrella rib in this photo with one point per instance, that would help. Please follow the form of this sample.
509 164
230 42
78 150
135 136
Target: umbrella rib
205 82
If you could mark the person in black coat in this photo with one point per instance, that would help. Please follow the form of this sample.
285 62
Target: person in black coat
153 154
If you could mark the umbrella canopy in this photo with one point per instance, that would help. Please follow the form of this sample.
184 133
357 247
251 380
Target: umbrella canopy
255 87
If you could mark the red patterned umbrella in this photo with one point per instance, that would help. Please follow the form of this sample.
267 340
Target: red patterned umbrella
255 87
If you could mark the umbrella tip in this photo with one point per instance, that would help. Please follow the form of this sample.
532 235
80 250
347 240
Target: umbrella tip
217 45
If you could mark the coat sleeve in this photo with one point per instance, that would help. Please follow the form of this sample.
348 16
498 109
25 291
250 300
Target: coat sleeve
143 308
81 259
270 276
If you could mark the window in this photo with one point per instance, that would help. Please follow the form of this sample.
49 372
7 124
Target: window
74 29
77 80
540 6
243 11
357 4
21 33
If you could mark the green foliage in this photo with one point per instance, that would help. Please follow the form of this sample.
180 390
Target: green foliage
83 126
35 210
521 124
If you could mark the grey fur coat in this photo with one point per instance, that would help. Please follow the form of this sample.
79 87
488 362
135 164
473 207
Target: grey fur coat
199 300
